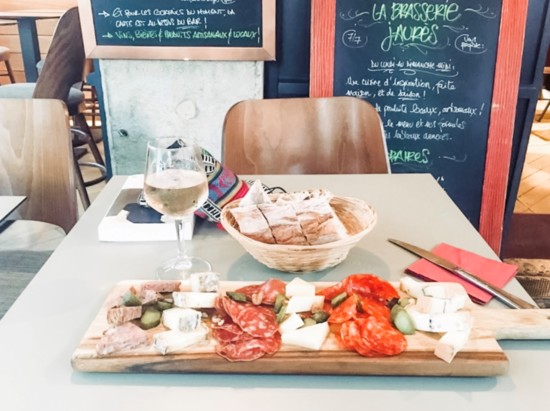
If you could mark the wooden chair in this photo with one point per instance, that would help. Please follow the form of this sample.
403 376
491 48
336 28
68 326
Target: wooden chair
334 135
5 58
36 160
64 66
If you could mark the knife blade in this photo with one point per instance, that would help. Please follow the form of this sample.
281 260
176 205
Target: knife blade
507 298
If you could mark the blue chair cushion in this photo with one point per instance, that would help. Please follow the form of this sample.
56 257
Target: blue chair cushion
25 90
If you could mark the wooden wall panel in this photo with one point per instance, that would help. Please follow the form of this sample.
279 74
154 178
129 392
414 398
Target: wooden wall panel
9 35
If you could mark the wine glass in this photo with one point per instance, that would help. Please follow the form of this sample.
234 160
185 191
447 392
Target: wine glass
175 185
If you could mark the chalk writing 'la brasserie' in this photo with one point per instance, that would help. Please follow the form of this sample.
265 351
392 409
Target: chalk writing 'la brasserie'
425 16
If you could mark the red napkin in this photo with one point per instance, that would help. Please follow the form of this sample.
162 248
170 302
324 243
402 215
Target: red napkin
494 272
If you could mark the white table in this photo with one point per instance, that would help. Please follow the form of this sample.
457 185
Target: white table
8 204
46 324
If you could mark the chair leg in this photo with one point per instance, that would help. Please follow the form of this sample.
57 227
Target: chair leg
10 71
544 111
80 186
81 124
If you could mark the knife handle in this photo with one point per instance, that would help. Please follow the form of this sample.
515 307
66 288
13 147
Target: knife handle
504 296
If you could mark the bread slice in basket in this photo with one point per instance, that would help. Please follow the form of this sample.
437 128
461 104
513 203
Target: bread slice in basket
301 218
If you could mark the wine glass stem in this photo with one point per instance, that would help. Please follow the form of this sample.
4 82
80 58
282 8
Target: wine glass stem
182 249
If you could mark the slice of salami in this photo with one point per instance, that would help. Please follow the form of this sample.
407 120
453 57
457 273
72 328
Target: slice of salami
343 337
382 337
264 293
369 285
271 289
271 345
249 349
227 332
356 339
232 308
245 350
257 321
370 306
330 292
345 311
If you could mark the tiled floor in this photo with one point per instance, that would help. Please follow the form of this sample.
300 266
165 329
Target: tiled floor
534 188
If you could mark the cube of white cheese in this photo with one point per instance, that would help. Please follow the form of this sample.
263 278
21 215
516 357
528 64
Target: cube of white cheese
411 286
311 337
204 282
174 341
451 343
190 299
433 305
181 319
293 322
439 322
299 287
303 303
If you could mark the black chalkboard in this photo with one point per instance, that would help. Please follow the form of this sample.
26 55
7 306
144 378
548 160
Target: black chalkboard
179 29
428 67
191 23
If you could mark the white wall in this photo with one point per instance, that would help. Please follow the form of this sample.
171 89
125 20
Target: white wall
148 98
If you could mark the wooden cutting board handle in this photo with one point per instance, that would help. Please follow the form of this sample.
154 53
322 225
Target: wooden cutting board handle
508 324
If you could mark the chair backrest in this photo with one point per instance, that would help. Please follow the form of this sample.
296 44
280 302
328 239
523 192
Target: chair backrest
333 135
36 160
64 65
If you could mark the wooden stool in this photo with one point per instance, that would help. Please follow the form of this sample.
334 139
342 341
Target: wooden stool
5 57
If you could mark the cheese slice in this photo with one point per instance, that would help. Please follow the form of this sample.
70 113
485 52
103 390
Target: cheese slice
299 287
181 319
174 341
432 298
190 299
311 337
293 322
303 303
439 322
451 343
204 282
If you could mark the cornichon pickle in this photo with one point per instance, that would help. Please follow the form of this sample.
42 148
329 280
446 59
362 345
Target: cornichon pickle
129 299
164 305
240 297
320 316
150 318
309 321
281 315
339 299
402 320
279 302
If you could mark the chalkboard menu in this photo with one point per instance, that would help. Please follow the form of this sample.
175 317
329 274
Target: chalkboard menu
189 29
428 68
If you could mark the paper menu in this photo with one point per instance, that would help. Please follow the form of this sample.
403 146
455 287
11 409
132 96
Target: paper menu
126 220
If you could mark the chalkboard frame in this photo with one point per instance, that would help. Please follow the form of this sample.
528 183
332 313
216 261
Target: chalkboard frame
503 103
130 52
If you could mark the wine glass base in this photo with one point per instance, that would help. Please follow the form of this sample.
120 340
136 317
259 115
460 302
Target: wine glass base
180 269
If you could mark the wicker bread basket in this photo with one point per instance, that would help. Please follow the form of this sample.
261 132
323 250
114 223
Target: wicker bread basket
358 217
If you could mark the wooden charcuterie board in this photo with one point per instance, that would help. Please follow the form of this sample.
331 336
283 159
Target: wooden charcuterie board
482 355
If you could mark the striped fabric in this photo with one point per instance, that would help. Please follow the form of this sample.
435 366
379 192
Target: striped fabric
224 187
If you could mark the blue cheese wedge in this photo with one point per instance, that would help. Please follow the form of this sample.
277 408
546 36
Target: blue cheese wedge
311 337
191 299
204 282
299 287
438 322
181 319
174 341
303 303
435 298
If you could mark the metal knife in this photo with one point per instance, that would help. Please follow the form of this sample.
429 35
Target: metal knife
501 295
